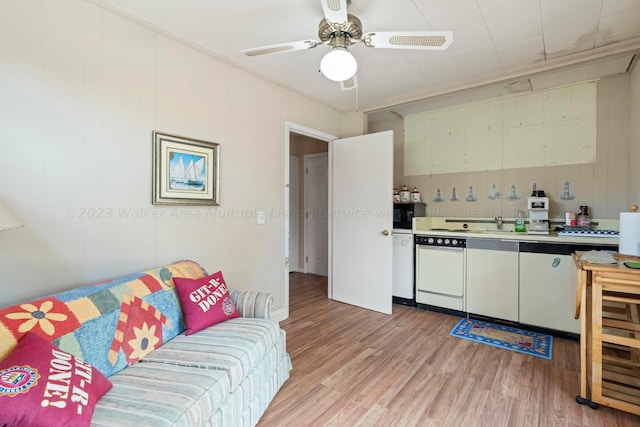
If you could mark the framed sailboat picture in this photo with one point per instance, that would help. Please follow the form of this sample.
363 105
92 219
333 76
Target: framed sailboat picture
185 171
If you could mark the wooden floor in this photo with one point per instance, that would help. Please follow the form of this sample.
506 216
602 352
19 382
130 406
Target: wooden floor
354 367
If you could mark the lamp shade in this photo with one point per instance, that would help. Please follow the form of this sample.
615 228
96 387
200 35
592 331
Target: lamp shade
7 220
338 65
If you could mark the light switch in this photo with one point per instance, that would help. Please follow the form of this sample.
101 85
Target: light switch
261 218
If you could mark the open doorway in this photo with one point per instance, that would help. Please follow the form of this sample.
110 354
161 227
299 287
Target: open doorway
293 132
308 201
368 258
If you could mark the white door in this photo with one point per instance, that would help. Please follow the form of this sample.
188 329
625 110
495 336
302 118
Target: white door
362 218
316 196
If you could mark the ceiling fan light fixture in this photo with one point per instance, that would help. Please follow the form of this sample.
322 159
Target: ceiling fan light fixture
338 65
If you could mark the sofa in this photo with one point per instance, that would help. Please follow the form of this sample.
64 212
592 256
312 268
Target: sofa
132 330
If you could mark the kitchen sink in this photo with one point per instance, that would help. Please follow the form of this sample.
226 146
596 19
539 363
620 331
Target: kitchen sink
495 230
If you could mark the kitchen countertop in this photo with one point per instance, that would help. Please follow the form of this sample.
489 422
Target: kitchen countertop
485 228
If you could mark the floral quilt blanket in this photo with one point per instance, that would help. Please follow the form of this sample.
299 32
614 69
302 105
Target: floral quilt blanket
110 325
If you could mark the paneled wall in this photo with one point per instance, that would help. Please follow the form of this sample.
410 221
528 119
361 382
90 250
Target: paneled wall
81 90
547 128
397 126
604 185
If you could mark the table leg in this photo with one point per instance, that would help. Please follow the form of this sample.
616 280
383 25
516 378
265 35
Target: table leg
596 338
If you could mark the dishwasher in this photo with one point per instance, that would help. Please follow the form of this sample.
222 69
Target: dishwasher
440 267
492 278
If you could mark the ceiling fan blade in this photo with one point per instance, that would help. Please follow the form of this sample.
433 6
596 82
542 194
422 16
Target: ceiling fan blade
281 48
335 11
427 40
349 84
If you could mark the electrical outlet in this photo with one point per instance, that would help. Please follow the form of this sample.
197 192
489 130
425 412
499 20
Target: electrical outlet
261 217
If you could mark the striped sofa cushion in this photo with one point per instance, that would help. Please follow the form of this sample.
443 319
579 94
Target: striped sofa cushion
157 394
235 346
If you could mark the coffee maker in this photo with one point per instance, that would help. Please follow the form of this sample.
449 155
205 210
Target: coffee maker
538 206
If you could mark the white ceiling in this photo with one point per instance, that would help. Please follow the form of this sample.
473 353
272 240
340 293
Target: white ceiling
499 45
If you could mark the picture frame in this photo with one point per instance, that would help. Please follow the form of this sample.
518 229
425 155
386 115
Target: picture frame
185 171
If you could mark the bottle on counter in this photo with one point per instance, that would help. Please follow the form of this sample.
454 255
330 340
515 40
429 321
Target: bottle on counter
583 217
519 223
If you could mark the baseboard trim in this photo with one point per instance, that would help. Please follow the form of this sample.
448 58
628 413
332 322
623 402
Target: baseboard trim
280 315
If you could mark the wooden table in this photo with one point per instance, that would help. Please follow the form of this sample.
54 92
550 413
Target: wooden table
608 304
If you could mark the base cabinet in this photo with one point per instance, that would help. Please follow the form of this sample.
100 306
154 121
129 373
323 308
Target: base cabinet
526 281
548 291
492 278
548 284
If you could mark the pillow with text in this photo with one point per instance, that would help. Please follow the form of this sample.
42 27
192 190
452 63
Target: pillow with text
205 301
41 385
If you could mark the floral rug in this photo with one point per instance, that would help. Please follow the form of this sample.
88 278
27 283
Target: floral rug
514 339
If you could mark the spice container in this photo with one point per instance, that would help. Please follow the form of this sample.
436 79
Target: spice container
415 196
405 195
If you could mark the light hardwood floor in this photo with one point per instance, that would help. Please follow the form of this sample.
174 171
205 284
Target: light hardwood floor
354 367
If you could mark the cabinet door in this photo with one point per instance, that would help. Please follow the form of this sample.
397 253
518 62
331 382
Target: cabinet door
492 282
548 291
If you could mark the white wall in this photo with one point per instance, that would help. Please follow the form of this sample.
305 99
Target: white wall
353 124
81 90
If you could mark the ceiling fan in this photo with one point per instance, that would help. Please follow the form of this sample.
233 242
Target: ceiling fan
339 30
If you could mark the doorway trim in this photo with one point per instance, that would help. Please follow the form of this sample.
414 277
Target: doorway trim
294 207
289 128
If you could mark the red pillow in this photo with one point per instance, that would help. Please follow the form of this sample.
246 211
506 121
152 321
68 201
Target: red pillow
41 385
205 301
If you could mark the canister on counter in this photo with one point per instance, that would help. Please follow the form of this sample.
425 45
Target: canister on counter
405 195
570 218
415 196
396 196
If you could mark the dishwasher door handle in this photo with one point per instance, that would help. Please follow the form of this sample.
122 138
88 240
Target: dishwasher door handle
493 244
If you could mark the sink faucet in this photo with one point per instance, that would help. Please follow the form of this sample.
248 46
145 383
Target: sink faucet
498 220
